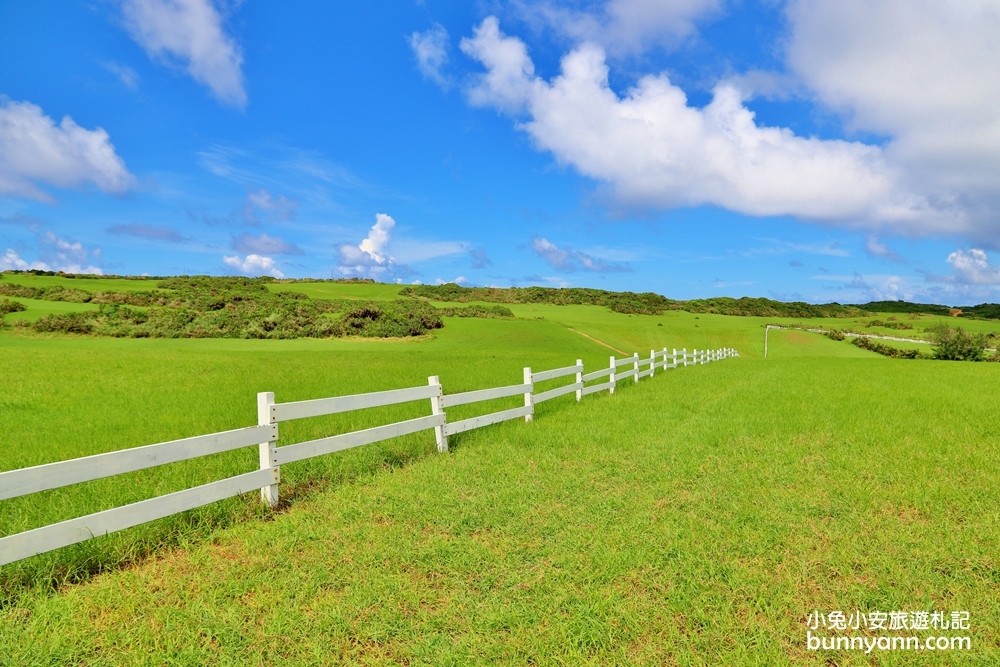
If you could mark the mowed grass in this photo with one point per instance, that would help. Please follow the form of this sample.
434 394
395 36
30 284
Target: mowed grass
693 519
66 397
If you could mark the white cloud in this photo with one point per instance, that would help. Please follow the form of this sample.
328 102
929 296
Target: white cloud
924 74
254 265
876 248
68 256
34 151
370 259
566 259
654 150
264 245
623 26
189 33
56 254
128 76
430 48
972 267
460 280
11 261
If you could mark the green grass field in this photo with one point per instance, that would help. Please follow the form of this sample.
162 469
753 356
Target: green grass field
696 518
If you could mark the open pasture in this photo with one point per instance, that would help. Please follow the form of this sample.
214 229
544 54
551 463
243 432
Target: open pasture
695 518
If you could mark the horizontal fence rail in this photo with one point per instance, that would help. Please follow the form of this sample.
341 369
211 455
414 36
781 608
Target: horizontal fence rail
264 436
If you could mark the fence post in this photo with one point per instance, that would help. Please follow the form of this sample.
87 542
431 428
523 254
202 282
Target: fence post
528 402
652 363
268 450
437 409
612 389
673 358
635 355
685 353
579 380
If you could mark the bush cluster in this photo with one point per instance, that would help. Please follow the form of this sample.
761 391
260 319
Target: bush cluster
632 303
889 325
478 310
886 350
8 306
956 344
204 307
835 334
646 303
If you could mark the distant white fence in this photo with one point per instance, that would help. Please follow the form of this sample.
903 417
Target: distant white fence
26 481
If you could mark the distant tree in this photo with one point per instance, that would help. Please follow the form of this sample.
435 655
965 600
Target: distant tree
957 344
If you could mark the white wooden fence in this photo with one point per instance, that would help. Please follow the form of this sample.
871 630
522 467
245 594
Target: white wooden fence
26 481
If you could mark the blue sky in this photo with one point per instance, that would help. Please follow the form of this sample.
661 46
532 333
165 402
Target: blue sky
829 150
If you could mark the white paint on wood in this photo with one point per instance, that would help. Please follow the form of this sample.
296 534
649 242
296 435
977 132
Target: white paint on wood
596 388
626 374
626 361
337 443
450 400
528 382
644 373
558 391
595 375
24 481
635 357
47 538
437 409
558 372
613 367
329 406
579 379
484 420
267 450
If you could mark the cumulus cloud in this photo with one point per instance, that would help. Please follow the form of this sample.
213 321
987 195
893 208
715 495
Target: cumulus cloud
149 232
12 261
460 280
253 265
924 74
370 258
972 267
189 34
568 260
622 26
35 151
264 245
430 48
655 150
68 256
55 254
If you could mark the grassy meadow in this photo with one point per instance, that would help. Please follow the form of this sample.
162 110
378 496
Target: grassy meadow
695 518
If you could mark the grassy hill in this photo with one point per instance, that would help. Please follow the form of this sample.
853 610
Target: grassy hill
697 517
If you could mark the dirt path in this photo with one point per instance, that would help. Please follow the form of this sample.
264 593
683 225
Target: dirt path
599 342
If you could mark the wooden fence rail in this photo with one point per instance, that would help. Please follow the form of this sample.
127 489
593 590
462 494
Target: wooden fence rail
25 481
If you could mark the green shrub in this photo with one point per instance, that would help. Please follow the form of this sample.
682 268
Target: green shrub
886 350
956 344
835 334
9 306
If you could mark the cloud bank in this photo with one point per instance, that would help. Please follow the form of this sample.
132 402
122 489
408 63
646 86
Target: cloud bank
34 151
370 258
253 265
188 34
655 150
568 260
